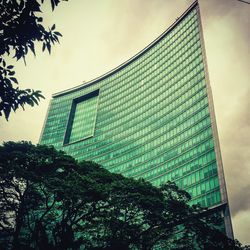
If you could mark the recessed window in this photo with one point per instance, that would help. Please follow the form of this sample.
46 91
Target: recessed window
82 118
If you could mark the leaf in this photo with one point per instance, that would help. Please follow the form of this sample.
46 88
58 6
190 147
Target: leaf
7 112
52 40
56 39
24 60
11 73
38 94
35 101
49 47
52 4
53 27
44 46
31 45
14 79
8 83
10 67
39 19
58 33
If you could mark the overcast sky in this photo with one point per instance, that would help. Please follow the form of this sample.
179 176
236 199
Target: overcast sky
98 35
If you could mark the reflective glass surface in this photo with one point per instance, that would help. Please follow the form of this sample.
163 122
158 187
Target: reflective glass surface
83 119
153 118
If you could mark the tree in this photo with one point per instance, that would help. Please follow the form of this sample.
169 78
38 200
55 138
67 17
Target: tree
20 27
24 170
50 201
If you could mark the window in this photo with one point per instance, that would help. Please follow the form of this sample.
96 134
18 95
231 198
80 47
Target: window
81 123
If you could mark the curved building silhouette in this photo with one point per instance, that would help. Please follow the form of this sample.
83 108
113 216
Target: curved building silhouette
152 117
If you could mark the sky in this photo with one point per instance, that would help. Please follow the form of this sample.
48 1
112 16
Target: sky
99 35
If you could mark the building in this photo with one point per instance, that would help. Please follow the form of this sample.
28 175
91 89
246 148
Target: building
151 117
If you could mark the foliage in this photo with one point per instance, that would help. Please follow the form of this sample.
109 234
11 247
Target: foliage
50 201
20 27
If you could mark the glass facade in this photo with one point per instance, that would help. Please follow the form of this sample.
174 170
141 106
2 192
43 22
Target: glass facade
151 119
82 119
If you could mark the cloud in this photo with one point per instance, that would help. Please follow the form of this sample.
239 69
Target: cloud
241 225
236 138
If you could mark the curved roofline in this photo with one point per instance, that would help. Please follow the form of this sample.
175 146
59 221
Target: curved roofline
121 66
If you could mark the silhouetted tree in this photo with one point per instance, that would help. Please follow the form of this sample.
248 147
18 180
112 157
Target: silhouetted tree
25 171
20 27
50 201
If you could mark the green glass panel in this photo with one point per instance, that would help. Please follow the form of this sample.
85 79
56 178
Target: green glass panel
153 119
84 119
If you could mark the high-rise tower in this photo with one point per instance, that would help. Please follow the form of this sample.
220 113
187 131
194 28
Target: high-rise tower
151 117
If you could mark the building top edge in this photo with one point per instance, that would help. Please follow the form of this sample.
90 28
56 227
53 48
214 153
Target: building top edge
136 56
